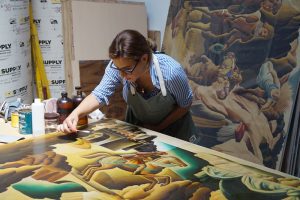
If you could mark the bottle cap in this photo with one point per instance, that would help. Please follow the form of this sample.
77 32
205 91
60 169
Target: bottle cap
64 93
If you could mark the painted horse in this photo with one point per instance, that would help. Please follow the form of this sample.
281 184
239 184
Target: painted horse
147 164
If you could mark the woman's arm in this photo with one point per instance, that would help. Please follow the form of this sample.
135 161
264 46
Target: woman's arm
178 86
176 114
99 97
89 104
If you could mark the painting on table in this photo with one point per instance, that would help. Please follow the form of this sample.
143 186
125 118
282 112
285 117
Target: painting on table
115 160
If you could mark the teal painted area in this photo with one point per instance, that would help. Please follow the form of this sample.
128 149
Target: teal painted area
42 190
163 146
195 164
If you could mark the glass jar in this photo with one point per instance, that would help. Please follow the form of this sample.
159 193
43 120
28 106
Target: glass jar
51 122
14 119
64 107
77 99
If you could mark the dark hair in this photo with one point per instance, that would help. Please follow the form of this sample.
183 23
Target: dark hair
152 44
129 44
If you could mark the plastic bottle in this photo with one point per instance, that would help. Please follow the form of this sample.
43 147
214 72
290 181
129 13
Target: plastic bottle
77 99
38 121
64 107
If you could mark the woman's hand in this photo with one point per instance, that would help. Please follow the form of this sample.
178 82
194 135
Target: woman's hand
69 124
88 105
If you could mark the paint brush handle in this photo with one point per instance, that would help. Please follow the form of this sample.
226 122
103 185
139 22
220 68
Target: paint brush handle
83 131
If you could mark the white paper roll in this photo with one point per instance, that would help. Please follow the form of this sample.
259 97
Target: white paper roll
15 54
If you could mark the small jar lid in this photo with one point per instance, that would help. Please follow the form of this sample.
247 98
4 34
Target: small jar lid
64 93
52 115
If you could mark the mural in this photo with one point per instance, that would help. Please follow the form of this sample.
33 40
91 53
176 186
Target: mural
115 160
241 60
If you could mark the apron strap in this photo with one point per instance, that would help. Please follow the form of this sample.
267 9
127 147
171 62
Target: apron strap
160 76
132 89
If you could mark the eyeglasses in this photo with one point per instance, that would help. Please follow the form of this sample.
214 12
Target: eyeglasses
127 70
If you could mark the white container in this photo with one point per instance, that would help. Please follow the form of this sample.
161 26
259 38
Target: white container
38 120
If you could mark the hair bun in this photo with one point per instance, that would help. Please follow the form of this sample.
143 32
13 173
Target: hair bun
152 44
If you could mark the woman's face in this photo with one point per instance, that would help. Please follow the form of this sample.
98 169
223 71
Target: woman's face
131 69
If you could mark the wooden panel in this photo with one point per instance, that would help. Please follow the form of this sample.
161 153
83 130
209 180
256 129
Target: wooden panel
68 47
89 26
92 73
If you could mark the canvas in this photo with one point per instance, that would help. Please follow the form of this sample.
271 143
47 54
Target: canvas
115 160
241 58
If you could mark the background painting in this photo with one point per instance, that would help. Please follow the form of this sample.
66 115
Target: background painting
241 60
113 160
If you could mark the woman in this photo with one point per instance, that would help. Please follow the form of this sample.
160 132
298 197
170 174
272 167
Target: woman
155 88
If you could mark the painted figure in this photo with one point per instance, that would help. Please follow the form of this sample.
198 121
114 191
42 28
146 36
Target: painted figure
147 164
238 6
239 110
267 80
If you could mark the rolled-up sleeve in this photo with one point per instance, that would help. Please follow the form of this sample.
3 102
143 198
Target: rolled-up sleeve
107 86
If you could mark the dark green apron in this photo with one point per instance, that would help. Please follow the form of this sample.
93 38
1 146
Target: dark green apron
155 109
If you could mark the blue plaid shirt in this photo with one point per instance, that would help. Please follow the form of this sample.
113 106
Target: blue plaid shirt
176 82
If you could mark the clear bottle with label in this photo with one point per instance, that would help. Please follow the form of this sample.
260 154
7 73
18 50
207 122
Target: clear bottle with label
38 122
64 107
77 99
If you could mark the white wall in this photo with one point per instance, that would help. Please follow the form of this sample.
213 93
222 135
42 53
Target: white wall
157 12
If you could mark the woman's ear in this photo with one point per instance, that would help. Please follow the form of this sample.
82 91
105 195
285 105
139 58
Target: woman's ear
145 58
